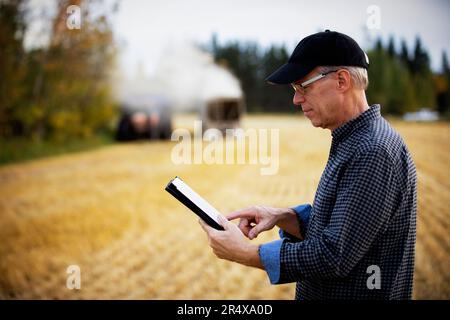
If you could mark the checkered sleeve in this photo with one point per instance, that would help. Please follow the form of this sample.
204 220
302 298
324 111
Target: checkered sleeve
269 253
364 200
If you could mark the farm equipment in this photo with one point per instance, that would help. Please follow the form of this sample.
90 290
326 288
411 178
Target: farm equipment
222 113
144 117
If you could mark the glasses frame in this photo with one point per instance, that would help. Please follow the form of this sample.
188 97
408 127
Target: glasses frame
300 87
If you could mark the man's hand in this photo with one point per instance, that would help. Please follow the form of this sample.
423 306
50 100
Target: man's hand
231 244
256 219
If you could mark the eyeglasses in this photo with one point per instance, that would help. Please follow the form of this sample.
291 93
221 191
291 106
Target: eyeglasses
300 87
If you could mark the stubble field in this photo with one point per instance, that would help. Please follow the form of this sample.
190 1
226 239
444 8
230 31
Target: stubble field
107 212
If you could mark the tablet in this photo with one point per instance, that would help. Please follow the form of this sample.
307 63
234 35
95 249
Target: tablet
183 193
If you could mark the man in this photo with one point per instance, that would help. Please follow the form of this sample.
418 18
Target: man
357 239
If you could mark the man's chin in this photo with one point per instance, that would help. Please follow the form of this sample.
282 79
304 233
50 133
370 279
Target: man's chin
316 124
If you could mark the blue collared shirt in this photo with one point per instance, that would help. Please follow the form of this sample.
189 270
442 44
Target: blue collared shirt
363 217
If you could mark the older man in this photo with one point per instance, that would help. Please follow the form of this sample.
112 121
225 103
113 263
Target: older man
357 240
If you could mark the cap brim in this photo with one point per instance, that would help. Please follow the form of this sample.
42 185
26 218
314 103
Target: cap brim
288 73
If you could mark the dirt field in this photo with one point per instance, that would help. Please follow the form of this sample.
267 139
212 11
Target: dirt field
107 212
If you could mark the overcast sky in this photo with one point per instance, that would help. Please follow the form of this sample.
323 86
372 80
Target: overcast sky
145 27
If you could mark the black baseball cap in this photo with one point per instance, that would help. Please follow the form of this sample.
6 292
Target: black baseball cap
327 48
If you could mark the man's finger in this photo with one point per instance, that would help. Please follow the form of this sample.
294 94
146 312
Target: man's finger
223 221
245 226
243 213
253 233
204 226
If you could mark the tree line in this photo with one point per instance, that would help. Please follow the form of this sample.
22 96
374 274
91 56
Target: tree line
62 89
401 80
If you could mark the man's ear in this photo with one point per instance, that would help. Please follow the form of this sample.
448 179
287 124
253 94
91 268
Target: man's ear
344 80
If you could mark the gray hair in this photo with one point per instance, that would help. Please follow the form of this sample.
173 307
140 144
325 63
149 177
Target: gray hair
359 76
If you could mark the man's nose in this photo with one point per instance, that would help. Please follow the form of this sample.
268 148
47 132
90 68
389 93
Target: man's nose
298 98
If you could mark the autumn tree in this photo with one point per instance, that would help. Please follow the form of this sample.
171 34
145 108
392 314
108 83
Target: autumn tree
64 90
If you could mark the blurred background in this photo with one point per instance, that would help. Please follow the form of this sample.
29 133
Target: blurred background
91 91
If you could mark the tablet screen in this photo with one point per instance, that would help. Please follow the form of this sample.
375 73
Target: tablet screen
196 199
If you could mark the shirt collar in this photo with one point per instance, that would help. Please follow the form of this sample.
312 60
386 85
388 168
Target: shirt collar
371 114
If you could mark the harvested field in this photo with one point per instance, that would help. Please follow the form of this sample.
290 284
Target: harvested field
107 212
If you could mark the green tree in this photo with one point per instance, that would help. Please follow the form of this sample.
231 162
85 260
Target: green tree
422 77
442 85
401 90
275 98
12 69
378 78
251 65
391 47
390 82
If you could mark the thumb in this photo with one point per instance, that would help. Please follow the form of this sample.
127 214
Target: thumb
223 221
253 233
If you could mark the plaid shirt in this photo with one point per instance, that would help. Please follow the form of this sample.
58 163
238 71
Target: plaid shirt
363 215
